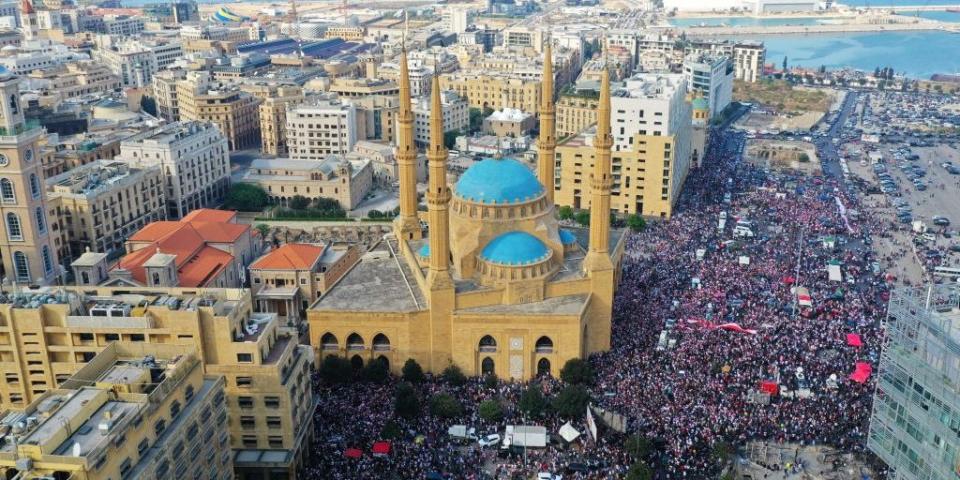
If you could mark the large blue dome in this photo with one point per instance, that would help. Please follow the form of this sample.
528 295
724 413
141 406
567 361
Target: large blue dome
515 248
498 181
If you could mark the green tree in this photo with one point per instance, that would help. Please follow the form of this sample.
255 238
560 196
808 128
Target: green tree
636 222
804 158
476 120
445 406
328 207
412 371
638 446
784 63
299 202
406 403
577 372
263 229
722 451
565 212
582 217
572 401
490 411
246 197
532 402
639 471
487 111
450 138
149 105
490 380
391 430
454 376
376 371
335 370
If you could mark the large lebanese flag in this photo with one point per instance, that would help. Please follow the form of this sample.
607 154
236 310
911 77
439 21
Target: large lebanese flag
730 327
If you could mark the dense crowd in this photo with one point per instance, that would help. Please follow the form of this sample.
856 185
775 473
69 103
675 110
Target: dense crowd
696 390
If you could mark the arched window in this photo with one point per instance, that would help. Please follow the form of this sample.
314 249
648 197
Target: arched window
354 342
329 342
356 361
544 345
21 265
14 232
6 191
488 344
543 367
47 259
41 221
383 361
156 278
381 343
487 366
34 185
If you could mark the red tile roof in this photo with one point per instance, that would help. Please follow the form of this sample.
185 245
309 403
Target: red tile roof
291 256
210 215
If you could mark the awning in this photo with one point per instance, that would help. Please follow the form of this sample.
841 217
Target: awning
568 433
381 448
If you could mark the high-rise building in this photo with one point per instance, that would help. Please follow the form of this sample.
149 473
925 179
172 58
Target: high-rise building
193 157
748 59
273 118
27 246
459 19
321 127
269 399
136 61
234 112
916 410
456 116
651 149
576 110
164 86
712 76
135 410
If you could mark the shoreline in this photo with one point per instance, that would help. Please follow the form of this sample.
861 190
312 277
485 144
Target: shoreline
820 29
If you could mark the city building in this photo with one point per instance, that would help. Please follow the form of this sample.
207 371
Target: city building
335 177
509 122
27 246
576 110
207 248
362 87
269 399
700 132
136 61
376 117
135 410
458 20
273 118
748 61
72 80
234 112
321 127
164 87
37 55
916 409
456 116
194 159
122 25
712 76
651 142
349 33
100 204
287 279
495 91
494 286
524 35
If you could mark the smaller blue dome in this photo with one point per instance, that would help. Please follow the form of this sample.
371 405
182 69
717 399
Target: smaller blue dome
424 251
567 237
498 181
515 248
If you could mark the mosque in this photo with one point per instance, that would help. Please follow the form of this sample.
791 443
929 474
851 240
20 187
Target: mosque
490 282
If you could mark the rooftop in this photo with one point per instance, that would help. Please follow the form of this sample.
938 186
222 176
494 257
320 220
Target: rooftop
290 256
95 178
379 282
498 181
515 248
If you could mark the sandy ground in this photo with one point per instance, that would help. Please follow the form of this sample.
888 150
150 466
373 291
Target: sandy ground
811 167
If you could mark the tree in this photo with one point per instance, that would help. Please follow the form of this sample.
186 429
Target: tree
412 371
454 376
638 446
639 471
490 380
263 229
876 72
391 430
582 217
803 158
572 401
299 202
487 111
445 406
246 197
336 370
149 105
476 120
722 451
375 371
565 212
784 63
490 411
636 222
406 403
450 139
577 372
532 402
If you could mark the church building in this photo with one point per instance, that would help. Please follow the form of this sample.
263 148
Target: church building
490 281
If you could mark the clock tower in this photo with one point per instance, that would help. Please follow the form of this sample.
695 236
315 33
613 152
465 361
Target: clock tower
26 240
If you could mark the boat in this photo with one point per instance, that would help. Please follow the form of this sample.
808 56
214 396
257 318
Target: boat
953 10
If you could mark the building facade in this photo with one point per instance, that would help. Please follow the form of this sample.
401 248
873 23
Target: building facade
576 110
322 127
164 87
273 119
509 123
495 91
234 112
456 116
338 178
712 76
136 61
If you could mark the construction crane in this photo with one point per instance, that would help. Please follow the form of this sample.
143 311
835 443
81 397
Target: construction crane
294 20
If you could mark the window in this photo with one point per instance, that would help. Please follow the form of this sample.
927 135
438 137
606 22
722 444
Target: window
41 221
273 423
136 337
34 186
245 402
14 232
244 381
111 337
250 441
245 358
21 266
248 423
174 408
6 191
86 337
159 427
189 393
276 441
143 446
271 402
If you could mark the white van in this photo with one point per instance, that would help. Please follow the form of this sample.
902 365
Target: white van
742 231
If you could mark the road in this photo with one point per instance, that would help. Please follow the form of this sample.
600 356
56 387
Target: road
826 150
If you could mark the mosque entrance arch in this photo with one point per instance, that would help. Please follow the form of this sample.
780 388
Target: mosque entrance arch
487 367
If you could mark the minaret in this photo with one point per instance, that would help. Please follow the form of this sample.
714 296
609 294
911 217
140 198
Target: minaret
438 196
407 225
547 143
598 257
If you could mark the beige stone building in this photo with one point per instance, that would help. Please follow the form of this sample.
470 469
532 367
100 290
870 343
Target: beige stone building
376 117
576 110
235 113
72 80
164 88
320 127
494 286
456 116
135 410
495 91
99 205
346 32
362 87
346 181
509 122
268 395
273 118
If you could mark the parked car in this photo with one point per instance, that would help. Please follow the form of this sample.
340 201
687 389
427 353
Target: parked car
489 440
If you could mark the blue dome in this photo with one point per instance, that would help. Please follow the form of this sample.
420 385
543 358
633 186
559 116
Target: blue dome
567 237
498 181
515 248
424 251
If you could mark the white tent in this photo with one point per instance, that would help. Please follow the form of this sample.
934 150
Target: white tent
568 433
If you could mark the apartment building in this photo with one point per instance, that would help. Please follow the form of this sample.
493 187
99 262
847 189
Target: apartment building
748 61
273 118
651 129
341 179
123 25
495 91
321 127
420 78
712 76
288 279
135 410
362 87
376 117
347 32
73 80
268 395
234 112
576 110
100 204
164 87
193 157
136 61
456 116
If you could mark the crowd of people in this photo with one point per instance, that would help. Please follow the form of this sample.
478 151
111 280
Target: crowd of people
700 387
